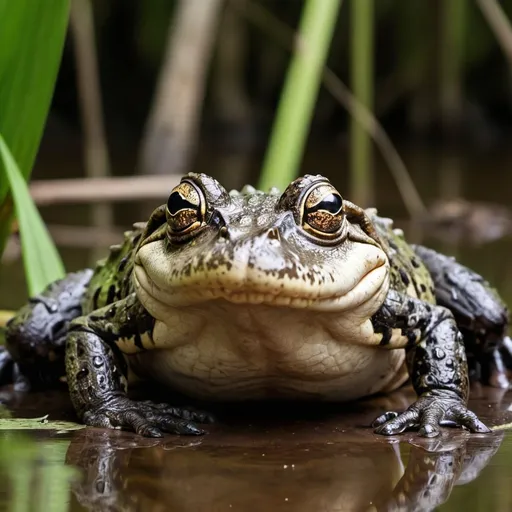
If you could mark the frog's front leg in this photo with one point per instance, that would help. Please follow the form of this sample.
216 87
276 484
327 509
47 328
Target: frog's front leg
437 365
96 372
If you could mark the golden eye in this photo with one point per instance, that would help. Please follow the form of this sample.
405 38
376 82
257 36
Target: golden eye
186 209
322 211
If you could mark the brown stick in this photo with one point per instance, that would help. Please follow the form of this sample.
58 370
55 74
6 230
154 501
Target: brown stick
172 127
89 96
93 190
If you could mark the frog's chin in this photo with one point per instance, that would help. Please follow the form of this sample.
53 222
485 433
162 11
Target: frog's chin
368 294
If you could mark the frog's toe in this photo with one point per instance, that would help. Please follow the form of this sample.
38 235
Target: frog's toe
145 418
468 419
431 410
383 418
396 423
186 413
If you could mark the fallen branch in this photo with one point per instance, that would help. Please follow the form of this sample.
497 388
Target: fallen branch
97 190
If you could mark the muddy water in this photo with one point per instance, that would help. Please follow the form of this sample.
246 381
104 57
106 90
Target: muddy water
267 458
277 458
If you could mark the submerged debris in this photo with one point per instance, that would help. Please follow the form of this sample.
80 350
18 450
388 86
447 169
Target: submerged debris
470 221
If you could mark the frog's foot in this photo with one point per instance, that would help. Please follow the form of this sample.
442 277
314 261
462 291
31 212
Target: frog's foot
434 408
146 418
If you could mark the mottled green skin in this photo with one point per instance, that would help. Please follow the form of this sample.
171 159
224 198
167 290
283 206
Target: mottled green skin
408 274
113 321
111 280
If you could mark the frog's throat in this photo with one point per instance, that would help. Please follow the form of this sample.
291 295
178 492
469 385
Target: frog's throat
368 294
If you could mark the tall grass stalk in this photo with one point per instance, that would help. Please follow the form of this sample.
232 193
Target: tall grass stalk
361 66
299 93
451 63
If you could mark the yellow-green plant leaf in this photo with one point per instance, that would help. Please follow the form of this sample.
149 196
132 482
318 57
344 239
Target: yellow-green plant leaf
40 257
297 102
38 424
32 34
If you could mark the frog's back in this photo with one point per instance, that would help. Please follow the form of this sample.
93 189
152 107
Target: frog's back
408 274
111 280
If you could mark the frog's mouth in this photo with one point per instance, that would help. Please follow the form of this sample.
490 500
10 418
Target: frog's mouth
371 288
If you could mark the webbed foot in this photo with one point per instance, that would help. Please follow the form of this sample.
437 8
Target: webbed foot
432 409
147 418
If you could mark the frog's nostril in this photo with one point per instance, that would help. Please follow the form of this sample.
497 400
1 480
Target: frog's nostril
223 232
273 234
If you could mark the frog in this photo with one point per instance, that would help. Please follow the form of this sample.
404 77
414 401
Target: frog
252 296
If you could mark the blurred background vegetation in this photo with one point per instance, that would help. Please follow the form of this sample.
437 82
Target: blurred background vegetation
436 70
403 104
412 113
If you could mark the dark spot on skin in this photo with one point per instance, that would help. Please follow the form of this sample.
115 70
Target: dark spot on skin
83 373
79 351
393 245
439 353
138 341
404 277
415 263
96 297
430 380
412 338
386 337
423 288
432 290
122 264
111 294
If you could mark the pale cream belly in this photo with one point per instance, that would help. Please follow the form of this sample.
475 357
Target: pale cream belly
224 352
363 372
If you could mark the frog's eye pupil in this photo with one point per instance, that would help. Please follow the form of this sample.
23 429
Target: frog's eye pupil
331 203
186 209
176 203
322 212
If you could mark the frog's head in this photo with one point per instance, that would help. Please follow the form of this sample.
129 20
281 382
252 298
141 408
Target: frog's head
305 248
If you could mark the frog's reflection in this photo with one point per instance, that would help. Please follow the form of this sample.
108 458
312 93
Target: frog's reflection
122 472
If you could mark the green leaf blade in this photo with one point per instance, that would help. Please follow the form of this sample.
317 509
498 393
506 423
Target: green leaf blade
40 256
32 34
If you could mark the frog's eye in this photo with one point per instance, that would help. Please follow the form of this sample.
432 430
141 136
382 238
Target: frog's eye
322 211
186 208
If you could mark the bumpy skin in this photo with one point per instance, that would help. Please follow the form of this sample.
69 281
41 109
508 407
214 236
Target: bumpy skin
436 356
36 336
112 322
481 315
